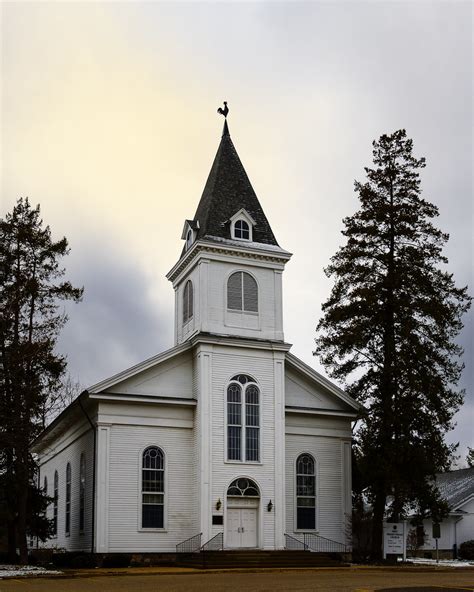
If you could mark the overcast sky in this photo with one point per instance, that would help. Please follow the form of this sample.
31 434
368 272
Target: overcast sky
109 122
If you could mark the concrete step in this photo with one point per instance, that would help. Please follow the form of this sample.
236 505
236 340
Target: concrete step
258 558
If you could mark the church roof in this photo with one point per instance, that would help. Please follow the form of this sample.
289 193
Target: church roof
456 487
227 190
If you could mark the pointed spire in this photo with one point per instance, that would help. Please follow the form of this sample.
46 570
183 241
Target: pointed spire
225 131
228 190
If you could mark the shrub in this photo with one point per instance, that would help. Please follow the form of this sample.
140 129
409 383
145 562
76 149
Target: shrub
76 560
117 560
466 550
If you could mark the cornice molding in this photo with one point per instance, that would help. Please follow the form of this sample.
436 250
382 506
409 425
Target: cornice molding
202 248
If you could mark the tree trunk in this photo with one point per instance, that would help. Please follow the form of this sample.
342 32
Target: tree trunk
377 525
22 505
11 533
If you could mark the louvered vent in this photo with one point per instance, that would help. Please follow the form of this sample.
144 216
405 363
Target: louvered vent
242 292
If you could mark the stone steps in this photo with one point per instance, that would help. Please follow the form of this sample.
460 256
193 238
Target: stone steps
258 558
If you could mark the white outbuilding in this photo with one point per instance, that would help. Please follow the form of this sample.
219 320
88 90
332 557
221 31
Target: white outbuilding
225 436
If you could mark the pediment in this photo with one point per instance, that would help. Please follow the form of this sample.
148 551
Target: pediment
171 378
307 389
167 375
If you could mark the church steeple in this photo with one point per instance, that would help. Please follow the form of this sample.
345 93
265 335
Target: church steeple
227 191
228 279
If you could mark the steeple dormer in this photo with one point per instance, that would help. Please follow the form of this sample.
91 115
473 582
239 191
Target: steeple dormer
230 269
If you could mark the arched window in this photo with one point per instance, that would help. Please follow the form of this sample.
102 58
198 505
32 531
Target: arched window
189 238
243 424
68 499
82 492
242 230
242 292
153 488
243 487
305 492
45 485
188 301
55 503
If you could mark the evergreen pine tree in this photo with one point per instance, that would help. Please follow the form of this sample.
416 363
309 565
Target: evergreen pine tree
30 368
388 331
470 457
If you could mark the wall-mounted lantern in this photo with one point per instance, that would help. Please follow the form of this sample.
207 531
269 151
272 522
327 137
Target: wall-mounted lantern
218 504
270 506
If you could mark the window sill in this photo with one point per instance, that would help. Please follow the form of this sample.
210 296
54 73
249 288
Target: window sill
247 312
243 462
152 530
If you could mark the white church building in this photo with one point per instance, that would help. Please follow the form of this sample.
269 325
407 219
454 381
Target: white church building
227 436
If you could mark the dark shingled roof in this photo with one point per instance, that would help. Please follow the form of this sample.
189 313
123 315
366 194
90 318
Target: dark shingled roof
228 190
456 486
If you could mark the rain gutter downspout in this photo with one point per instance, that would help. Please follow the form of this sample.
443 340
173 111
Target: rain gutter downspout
94 431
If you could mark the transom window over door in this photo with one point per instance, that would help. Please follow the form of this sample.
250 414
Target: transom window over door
242 292
243 423
153 488
305 492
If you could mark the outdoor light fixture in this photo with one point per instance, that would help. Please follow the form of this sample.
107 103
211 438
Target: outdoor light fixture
218 504
270 506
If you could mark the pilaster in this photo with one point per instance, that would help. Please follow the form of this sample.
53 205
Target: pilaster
102 489
279 449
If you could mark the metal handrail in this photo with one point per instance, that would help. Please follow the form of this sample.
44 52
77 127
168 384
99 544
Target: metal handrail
321 544
292 543
190 545
214 544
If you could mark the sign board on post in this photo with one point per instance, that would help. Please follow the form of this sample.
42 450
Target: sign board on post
436 530
394 539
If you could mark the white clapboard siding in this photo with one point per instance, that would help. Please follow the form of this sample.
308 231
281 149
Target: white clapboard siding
332 478
169 378
127 443
210 302
300 391
259 364
67 449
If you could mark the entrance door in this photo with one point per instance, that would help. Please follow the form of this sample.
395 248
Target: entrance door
241 527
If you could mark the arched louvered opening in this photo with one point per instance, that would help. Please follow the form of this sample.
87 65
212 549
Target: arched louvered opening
242 292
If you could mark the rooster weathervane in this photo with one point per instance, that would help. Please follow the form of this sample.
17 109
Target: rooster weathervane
223 111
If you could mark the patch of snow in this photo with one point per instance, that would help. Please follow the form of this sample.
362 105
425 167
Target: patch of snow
443 562
14 571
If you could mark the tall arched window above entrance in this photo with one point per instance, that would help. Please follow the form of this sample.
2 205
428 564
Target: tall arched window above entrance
153 487
242 292
243 419
305 492
188 304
